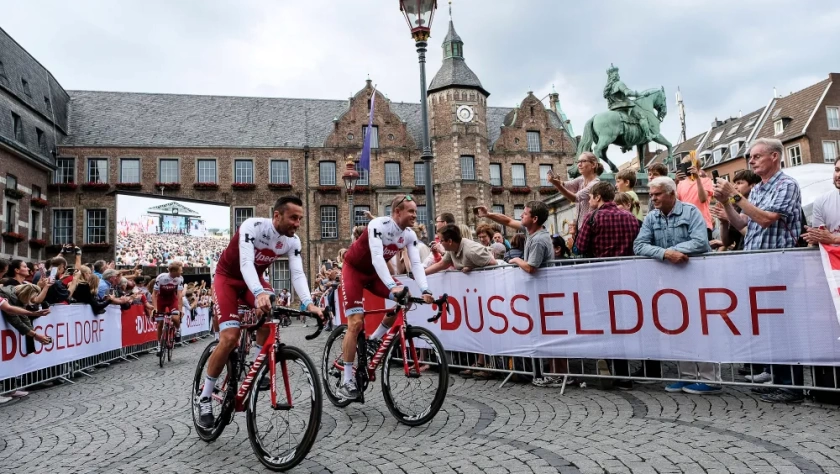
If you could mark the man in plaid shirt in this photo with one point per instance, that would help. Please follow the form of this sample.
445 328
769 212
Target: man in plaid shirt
607 231
773 216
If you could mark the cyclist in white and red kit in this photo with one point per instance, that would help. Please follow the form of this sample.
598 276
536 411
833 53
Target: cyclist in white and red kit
254 247
365 267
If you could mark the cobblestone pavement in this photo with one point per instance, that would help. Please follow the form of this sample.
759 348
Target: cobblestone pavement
135 418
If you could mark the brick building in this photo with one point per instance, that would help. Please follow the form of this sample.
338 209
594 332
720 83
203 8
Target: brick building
198 147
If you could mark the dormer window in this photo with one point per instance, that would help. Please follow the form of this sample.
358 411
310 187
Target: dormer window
717 136
733 149
25 84
717 155
778 127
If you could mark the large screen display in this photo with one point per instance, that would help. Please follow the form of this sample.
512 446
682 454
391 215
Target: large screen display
156 231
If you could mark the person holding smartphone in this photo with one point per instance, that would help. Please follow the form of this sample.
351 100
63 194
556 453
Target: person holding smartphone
578 189
696 190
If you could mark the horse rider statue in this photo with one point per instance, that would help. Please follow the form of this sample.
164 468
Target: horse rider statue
619 98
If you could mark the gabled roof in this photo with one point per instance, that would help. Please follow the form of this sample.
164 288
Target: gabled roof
798 107
128 119
731 131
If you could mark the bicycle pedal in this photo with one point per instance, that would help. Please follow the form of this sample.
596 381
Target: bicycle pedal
413 374
282 407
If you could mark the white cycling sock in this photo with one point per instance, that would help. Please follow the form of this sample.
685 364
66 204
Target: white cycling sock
348 372
380 331
209 384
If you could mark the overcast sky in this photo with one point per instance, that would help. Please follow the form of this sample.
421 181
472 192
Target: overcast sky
725 56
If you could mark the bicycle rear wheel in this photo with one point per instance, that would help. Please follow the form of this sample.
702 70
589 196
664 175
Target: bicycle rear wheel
170 343
223 395
333 376
281 437
162 347
416 398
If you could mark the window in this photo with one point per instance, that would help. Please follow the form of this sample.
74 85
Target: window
733 129
778 127
829 151
243 171
717 155
25 84
359 215
36 192
518 209
717 136
240 215
65 171
495 174
795 155
129 170
733 149
95 228
544 175
326 173
35 225
387 210
47 103
421 215
374 138
279 172
168 171
11 216
518 173
392 173
42 142
833 114
534 142
468 168
281 276
329 222
11 181
62 226
364 176
498 209
207 171
750 122
97 171
419 174
18 127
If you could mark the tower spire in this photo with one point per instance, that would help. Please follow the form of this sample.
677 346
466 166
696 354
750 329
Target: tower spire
681 109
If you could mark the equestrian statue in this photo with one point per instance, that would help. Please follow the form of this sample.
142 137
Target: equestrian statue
633 120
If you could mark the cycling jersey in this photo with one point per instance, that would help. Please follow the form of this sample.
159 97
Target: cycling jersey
168 289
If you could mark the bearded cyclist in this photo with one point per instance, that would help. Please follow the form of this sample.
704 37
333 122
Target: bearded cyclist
254 247
365 267
166 297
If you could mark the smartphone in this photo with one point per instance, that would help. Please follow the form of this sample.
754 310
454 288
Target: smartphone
53 272
550 173
475 210
328 265
715 176
683 167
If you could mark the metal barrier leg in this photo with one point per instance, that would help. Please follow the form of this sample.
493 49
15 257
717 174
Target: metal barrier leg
563 386
506 380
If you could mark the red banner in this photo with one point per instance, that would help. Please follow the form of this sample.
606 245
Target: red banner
136 327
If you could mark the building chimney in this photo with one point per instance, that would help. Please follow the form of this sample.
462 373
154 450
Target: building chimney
716 123
553 99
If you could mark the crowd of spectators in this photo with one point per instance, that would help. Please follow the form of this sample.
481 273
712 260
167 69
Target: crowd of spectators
162 249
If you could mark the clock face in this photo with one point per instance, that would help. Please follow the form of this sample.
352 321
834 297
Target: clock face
465 113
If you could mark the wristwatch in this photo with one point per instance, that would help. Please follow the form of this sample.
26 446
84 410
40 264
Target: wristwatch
735 199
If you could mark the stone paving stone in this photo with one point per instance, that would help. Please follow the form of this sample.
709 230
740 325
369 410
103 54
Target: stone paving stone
135 418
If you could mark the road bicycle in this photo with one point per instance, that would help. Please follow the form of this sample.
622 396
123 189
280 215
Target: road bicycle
167 338
282 421
415 372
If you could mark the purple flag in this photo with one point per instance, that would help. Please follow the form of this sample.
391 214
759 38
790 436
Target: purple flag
364 160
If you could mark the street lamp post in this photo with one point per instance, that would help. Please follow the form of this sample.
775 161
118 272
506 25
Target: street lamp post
419 14
350 177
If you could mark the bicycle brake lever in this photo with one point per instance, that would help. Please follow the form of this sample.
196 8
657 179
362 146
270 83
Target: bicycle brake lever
442 304
320 321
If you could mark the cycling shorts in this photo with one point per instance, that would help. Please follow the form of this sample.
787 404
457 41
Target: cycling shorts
159 316
353 283
227 295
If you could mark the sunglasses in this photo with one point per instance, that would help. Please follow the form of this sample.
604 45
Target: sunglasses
407 197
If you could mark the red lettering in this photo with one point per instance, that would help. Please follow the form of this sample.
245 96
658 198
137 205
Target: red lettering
578 325
544 314
684 304
497 314
59 335
9 344
78 331
467 317
723 313
48 330
755 311
447 325
613 323
522 315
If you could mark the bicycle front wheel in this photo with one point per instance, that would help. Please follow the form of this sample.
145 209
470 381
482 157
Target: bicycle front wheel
415 399
282 436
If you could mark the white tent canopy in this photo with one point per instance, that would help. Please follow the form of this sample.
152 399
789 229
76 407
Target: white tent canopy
814 180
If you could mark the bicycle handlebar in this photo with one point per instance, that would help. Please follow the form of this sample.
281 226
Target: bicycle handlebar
402 299
278 311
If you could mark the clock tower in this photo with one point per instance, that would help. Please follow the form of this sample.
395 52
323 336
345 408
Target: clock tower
458 127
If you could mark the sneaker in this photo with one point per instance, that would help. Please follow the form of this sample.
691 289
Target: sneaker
702 389
623 384
763 377
539 382
305 325
482 375
640 374
348 390
677 387
18 394
783 396
558 381
4 399
205 413
745 370
764 390
372 347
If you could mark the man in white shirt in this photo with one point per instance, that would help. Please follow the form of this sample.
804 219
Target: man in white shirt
825 220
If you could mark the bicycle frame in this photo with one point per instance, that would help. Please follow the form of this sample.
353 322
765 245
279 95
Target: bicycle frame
167 331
